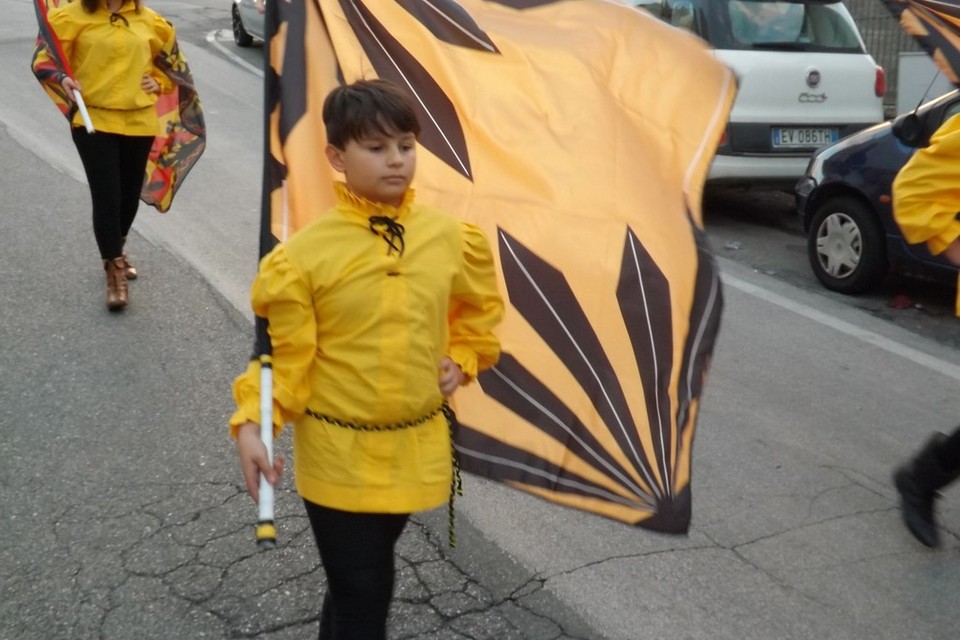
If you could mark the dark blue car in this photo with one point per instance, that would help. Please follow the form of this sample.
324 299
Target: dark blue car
844 200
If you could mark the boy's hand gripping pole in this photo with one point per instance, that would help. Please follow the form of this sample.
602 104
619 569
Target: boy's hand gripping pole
266 531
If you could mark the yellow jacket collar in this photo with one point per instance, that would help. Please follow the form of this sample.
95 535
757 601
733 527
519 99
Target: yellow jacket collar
350 201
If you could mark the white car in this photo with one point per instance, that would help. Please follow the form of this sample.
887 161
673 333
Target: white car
247 22
805 80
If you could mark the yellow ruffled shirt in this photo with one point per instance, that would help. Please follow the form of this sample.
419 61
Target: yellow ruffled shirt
926 193
358 331
109 56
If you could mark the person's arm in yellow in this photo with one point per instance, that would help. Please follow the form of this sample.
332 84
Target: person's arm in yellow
279 294
170 51
56 83
476 307
926 191
926 196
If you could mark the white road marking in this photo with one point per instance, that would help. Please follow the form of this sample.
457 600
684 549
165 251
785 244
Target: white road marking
214 39
916 356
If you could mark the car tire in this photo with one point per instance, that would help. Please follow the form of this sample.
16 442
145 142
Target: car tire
240 35
846 246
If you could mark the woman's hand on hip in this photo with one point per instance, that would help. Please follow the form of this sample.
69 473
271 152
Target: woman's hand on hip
953 252
149 84
253 459
451 376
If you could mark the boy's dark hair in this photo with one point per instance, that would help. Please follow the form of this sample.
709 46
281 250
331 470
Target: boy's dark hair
365 108
92 5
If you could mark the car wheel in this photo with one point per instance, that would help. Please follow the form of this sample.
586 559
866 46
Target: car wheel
240 35
846 246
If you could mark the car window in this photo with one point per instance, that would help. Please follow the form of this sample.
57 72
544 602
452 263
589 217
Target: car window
951 111
764 24
680 13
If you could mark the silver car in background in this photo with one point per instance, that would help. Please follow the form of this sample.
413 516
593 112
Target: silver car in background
247 22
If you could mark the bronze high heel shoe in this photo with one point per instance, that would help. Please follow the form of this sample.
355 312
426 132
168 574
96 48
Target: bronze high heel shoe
116 284
129 270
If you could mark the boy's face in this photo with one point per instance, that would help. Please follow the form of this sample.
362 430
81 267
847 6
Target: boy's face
378 167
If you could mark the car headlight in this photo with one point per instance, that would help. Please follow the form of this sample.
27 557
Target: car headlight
805 186
814 173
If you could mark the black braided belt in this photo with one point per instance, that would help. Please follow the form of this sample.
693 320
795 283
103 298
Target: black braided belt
398 426
456 483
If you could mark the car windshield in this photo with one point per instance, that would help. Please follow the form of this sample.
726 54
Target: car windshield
788 26
784 25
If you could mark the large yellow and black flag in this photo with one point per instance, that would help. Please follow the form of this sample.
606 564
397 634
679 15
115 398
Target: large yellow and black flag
935 25
577 134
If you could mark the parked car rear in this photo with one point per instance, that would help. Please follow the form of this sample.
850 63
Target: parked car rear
844 200
805 81
247 22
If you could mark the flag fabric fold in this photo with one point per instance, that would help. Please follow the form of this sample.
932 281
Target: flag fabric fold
183 131
51 69
935 25
578 135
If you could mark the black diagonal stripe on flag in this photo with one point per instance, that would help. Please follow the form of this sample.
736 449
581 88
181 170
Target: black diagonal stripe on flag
442 134
704 326
523 4
449 22
643 294
480 454
290 90
516 388
541 294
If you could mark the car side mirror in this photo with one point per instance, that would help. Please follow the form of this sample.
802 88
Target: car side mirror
908 129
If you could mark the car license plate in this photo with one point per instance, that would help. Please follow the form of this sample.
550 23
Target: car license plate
804 136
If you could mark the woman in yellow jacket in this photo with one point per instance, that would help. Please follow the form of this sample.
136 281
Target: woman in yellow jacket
926 206
111 46
377 311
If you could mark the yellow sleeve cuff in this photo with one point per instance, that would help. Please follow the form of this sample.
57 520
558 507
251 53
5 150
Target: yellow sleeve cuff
246 393
466 359
944 238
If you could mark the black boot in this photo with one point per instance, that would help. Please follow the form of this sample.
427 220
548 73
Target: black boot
918 482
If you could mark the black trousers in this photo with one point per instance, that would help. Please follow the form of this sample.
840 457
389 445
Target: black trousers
115 166
357 552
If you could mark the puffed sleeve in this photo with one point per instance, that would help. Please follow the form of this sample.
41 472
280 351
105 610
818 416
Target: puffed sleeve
476 306
168 49
280 294
926 191
66 32
65 28
49 70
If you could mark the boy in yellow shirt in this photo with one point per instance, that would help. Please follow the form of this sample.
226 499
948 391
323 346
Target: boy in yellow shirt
926 206
377 311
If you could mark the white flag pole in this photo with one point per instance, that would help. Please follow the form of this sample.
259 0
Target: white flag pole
88 125
266 531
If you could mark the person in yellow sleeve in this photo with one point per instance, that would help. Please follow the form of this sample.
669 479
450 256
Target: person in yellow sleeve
111 46
926 207
377 311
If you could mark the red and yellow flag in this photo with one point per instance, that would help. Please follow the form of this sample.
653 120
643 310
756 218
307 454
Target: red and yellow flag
577 134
